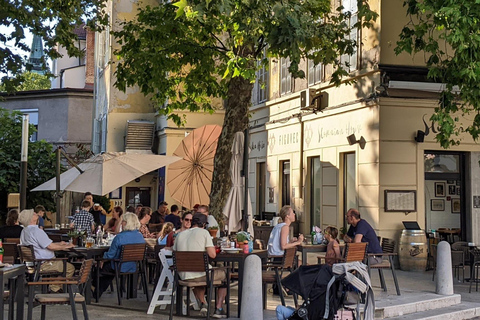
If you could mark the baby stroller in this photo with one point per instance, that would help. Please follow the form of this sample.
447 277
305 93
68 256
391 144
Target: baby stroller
325 290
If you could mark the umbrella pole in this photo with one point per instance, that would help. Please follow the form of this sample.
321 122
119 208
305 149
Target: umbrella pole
245 174
57 181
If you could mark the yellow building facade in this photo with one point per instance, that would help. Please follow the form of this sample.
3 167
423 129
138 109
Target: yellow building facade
309 159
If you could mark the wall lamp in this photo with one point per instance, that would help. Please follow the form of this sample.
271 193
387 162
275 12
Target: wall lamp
352 140
420 137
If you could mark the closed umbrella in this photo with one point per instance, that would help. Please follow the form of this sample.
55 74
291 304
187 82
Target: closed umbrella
108 171
235 201
190 179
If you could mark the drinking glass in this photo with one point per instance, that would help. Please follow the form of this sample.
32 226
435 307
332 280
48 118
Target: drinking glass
89 243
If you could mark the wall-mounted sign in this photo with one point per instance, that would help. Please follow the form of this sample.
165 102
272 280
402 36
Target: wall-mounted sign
400 200
476 201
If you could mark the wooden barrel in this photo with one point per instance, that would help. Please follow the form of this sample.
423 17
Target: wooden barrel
413 249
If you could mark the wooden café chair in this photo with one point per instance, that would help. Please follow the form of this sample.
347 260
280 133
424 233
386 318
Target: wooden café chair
76 287
388 248
135 253
275 274
190 261
33 265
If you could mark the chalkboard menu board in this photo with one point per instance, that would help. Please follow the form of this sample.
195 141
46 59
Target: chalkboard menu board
400 200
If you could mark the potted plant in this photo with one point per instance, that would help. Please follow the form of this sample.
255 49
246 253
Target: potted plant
213 231
241 237
343 232
75 235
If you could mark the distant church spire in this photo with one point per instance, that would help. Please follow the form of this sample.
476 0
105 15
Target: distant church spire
36 54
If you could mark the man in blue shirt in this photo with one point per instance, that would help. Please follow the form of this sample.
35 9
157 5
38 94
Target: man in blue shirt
361 231
174 217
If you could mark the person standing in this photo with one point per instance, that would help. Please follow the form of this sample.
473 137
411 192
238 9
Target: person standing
40 211
199 239
43 246
279 237
361 231
174 217
83 220
158 217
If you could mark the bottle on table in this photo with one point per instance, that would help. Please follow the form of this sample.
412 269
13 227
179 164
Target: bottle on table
1 251
314 236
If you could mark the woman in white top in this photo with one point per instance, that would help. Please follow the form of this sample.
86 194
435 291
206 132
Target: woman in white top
279 240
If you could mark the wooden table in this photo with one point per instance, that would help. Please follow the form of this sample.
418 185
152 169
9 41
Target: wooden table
95 253
240 259
306 248
15 276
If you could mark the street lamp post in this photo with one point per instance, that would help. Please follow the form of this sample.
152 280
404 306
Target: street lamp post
24 161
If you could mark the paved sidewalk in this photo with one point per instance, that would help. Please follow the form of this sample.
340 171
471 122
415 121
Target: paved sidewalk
413 286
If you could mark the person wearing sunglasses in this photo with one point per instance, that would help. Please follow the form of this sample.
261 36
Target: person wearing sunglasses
186 224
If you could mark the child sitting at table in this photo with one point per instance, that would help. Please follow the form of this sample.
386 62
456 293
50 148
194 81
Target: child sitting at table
166 229
333 248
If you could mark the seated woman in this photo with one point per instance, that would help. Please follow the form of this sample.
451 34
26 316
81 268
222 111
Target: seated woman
12 229
129 235
144 217
167 228
113 225
279 240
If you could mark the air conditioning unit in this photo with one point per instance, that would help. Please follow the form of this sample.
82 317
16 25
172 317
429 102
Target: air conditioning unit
310 100
139 136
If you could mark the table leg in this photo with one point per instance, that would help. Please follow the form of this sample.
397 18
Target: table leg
2 307
179 298
304 257
20 295
12 288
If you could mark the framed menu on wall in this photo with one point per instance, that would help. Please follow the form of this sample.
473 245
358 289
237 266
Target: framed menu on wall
400 200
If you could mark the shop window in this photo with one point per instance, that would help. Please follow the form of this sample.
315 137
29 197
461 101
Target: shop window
350 196
261 187
285 165
315 191
442 163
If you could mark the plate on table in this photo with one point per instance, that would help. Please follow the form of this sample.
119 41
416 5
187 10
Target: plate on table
231 250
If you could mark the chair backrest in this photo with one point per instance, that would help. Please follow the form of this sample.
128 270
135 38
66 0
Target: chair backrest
190 261
12 240
388 245
355 251
55 237
133 252
85 271
27 254
10 254
289 258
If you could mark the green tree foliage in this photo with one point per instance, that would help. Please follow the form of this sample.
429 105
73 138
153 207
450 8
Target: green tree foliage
54 21
31 81
448 33
212 49
41 162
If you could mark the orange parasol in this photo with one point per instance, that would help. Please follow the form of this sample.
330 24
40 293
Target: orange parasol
190 179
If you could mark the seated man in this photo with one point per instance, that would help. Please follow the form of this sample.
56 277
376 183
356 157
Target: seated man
198 239
43 246
361 231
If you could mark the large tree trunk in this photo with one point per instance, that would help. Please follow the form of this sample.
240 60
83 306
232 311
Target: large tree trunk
236 119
